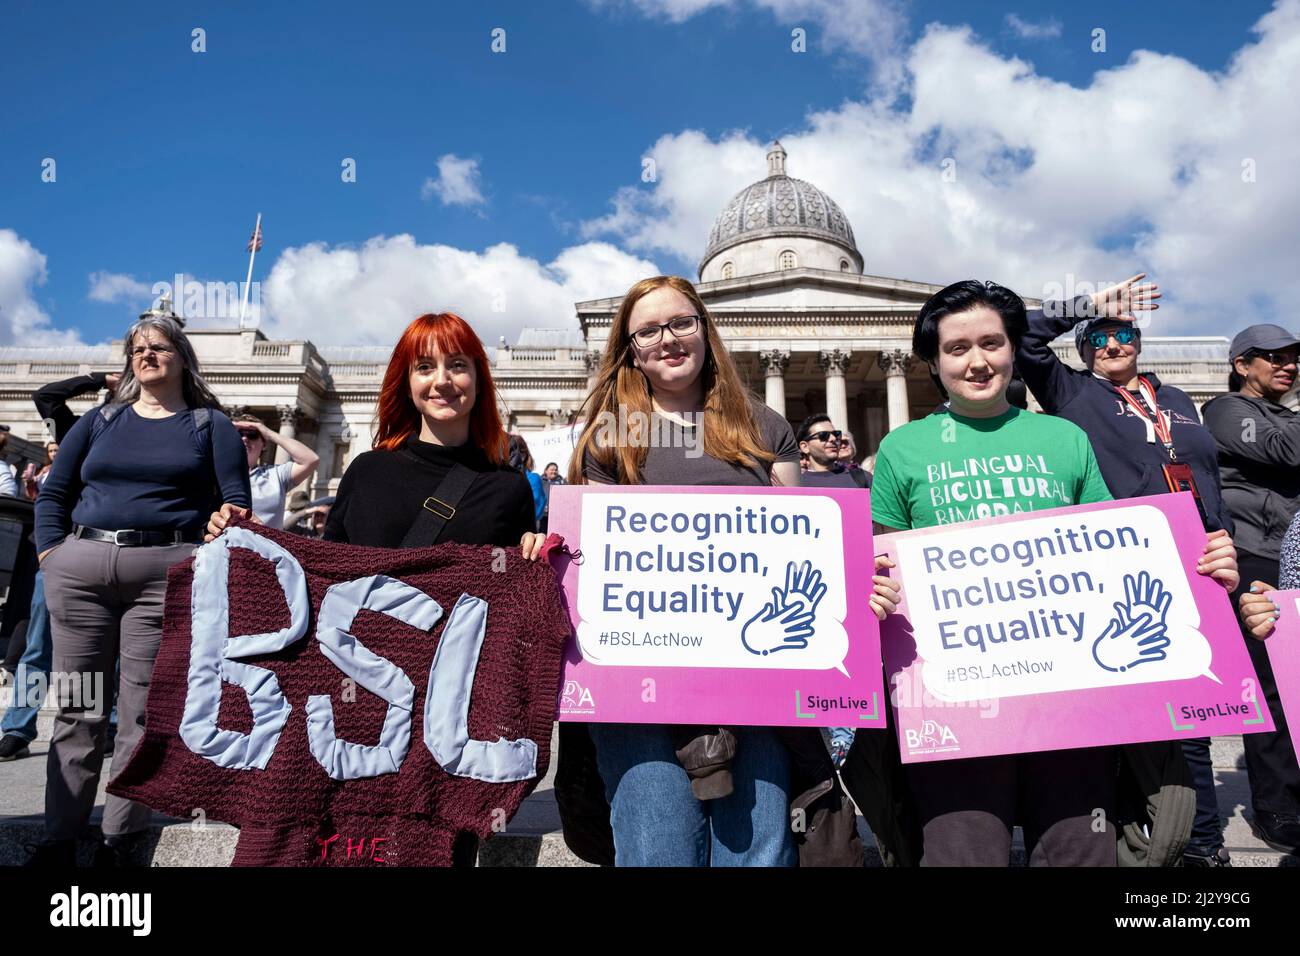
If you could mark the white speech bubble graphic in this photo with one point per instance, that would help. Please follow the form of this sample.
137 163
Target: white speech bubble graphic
683 580
1018 608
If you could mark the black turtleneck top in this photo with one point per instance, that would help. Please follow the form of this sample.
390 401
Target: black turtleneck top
382 492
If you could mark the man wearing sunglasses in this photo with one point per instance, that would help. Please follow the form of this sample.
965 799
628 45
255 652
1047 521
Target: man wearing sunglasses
1148 440
819 444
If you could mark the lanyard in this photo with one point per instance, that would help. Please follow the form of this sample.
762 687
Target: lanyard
1159 423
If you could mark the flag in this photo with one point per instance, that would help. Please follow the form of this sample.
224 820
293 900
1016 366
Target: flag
255 240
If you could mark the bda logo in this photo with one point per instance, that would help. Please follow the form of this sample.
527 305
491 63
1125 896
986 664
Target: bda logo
932 736
576 699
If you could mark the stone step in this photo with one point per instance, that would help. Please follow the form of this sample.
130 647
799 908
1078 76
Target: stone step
532 838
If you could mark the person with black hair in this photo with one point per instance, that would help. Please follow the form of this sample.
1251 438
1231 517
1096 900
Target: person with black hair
968 333
1148 439
18 727
821 442
1258 442
521 460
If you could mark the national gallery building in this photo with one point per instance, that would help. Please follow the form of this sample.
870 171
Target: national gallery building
782 276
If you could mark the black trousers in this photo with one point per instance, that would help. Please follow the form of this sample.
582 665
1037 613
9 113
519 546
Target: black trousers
1063 799
1207 831
1270 757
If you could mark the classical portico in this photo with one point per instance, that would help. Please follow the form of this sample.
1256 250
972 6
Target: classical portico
783 279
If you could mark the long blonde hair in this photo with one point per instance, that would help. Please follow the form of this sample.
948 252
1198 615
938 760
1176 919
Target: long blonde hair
730 428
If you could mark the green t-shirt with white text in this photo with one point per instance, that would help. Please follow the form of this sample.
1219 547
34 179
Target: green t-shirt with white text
946 469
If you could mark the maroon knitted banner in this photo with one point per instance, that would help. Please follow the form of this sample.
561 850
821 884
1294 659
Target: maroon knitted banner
314 730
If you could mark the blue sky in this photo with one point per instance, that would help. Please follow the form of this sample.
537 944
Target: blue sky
164 155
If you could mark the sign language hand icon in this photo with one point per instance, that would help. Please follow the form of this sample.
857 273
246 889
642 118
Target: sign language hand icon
786 622
1137 634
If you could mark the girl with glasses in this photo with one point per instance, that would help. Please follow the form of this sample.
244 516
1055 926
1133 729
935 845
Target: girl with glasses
666 361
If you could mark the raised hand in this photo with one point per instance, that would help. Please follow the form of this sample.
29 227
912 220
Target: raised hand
1121 301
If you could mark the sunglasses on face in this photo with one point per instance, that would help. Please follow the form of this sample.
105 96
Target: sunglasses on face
651 335
1122 336
1276 359
824 437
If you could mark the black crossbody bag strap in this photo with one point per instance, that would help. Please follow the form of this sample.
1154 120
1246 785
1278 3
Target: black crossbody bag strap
439 507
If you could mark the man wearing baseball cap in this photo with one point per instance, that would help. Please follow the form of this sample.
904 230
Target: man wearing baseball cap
1259 459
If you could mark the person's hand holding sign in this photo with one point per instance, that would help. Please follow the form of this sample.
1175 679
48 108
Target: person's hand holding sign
786 622
220 518
1259 611
885 590
1136 635
1219 560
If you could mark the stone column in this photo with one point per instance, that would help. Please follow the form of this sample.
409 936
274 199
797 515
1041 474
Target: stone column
326 444
875 428
289 415
896 364
560 417
592 360
774 362
833 363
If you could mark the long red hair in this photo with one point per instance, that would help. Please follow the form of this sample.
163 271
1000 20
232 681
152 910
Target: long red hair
443 333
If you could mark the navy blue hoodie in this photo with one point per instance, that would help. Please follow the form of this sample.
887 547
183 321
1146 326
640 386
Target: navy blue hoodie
1130 465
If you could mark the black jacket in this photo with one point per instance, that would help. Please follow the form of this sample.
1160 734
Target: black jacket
52 400
1130 465
1259 457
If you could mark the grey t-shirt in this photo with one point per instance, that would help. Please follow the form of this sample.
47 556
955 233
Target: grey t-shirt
833 479
677 455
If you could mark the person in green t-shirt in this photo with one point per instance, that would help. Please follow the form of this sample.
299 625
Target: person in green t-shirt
980 457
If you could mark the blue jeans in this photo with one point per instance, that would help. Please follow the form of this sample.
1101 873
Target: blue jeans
657 820
33 667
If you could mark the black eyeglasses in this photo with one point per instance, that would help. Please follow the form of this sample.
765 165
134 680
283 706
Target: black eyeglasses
1275 359
1122 336
653 334
824 437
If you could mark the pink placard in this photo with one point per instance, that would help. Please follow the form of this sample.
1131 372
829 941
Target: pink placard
1077 627
720 605
1284 655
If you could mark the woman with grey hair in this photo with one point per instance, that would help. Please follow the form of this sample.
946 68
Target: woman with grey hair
128 496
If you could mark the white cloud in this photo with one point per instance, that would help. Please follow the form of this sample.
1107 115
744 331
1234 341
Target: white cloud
1028 30
117 287
1140 168
458 182
868 28
22 320
366 295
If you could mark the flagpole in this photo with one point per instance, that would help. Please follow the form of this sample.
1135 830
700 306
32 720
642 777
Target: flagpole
257 231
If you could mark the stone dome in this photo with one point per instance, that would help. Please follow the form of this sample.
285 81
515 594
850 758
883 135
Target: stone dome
782 206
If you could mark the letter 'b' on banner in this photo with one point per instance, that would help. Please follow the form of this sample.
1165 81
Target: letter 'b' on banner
212 653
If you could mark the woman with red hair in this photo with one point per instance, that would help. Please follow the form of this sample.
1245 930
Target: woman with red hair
438 437
439 471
